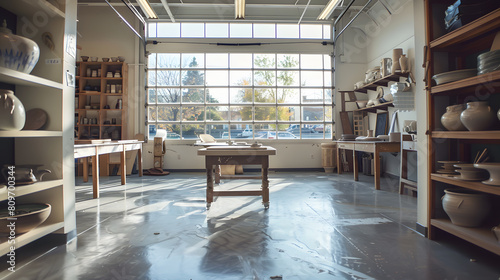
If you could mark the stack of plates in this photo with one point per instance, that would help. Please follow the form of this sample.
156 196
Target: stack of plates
348 137
488 62
447 167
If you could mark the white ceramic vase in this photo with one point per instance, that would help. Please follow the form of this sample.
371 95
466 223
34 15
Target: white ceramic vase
451 119
466 208
12 113
403 63
478 116
17 52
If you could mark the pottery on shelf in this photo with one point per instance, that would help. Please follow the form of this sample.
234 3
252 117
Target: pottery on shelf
28 217
396 54
403 63
496 231
466 208
85 58
478 116
12 112
451 76
494 169
385 66
498 114
18 53
451 119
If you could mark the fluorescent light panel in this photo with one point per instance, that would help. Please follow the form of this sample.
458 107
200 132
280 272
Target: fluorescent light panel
329 8
239 9
147 9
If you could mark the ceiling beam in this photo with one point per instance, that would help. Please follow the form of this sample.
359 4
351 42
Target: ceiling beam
167 8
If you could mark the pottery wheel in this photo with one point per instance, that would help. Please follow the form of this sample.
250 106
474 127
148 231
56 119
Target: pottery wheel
35 119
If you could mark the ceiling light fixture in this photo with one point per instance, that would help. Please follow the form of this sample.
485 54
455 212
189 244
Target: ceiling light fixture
147 9
329 8
239 9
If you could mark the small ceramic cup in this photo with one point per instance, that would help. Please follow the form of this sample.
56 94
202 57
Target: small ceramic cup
85 58
105 59
93 58
114 59
121 58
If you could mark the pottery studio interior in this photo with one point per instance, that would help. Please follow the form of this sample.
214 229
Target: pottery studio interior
250 139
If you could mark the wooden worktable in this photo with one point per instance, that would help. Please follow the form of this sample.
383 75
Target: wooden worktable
234 155
375 147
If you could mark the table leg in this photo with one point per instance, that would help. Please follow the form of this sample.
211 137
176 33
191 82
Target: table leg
123 165
218 173
355 165
210 183
85 169
339 167
139 161
265 181
95 175
376 168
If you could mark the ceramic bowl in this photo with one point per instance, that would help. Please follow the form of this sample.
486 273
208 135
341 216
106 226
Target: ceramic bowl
93 58
472 175
448 164
121 58
452 76
362 103
85 58
105 59
494 169
114 59
29 216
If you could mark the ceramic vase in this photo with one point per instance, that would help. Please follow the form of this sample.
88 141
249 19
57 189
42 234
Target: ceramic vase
17 52
451 119
478 116
12 113
403 63
396 54
498 114
466 208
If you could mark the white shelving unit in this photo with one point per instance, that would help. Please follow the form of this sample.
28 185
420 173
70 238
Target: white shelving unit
47 88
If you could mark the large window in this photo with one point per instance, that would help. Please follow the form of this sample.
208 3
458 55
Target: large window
240 95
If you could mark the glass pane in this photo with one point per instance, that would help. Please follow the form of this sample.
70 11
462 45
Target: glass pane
168 95
241 95
217 60
313 95
311 78
285 113
191 131
218 95
168 78
193 113
311 61
288 95
328 131
193 78
217 113
173 130
265 95
152 115
312 113
241 113
288 31
327 31
265 113
311 31
285 135
327 62
264 30
217 78
152 61
193 60
328 113
240 30
152 131
240 60
328 78
288 61
193 95
192 30
218 131
265 78
240 77
264 60
168 60
151 78
151 31
168 30
168 113
294 113
217 30
151 96
328 96
288 78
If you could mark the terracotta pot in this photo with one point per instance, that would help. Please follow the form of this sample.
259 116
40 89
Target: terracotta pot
478 116
12 112
451 119
466 208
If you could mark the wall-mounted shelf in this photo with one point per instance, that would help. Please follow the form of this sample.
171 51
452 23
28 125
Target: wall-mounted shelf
381 82
10 76
373 109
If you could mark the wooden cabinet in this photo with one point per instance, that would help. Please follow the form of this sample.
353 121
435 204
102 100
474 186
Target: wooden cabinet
49 87
447 52
101 100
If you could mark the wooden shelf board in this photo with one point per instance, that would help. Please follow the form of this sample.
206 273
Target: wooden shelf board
469 82
373 109
30 236
484 135
30 133
480 236
19 78
469 31
29 189
477 186
381 82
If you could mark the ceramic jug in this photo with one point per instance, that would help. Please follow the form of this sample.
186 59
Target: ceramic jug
478 116
451 119
18 53
12 113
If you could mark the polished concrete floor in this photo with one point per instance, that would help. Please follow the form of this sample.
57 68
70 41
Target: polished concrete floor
318 226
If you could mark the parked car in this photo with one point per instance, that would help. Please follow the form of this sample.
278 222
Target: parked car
296 131
246 133
272 135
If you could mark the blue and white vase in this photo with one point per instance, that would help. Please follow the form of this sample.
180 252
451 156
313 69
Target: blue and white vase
17 52
12 112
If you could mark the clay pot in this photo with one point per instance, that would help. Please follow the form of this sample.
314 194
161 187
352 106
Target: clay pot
466 208
403 63
396 54
451 119
12 112
478 116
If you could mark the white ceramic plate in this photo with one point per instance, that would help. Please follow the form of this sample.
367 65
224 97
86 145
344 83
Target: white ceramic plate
448 77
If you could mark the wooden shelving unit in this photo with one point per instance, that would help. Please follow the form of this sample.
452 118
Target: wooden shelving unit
373 109
105 119
47 87
459 49
384 81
